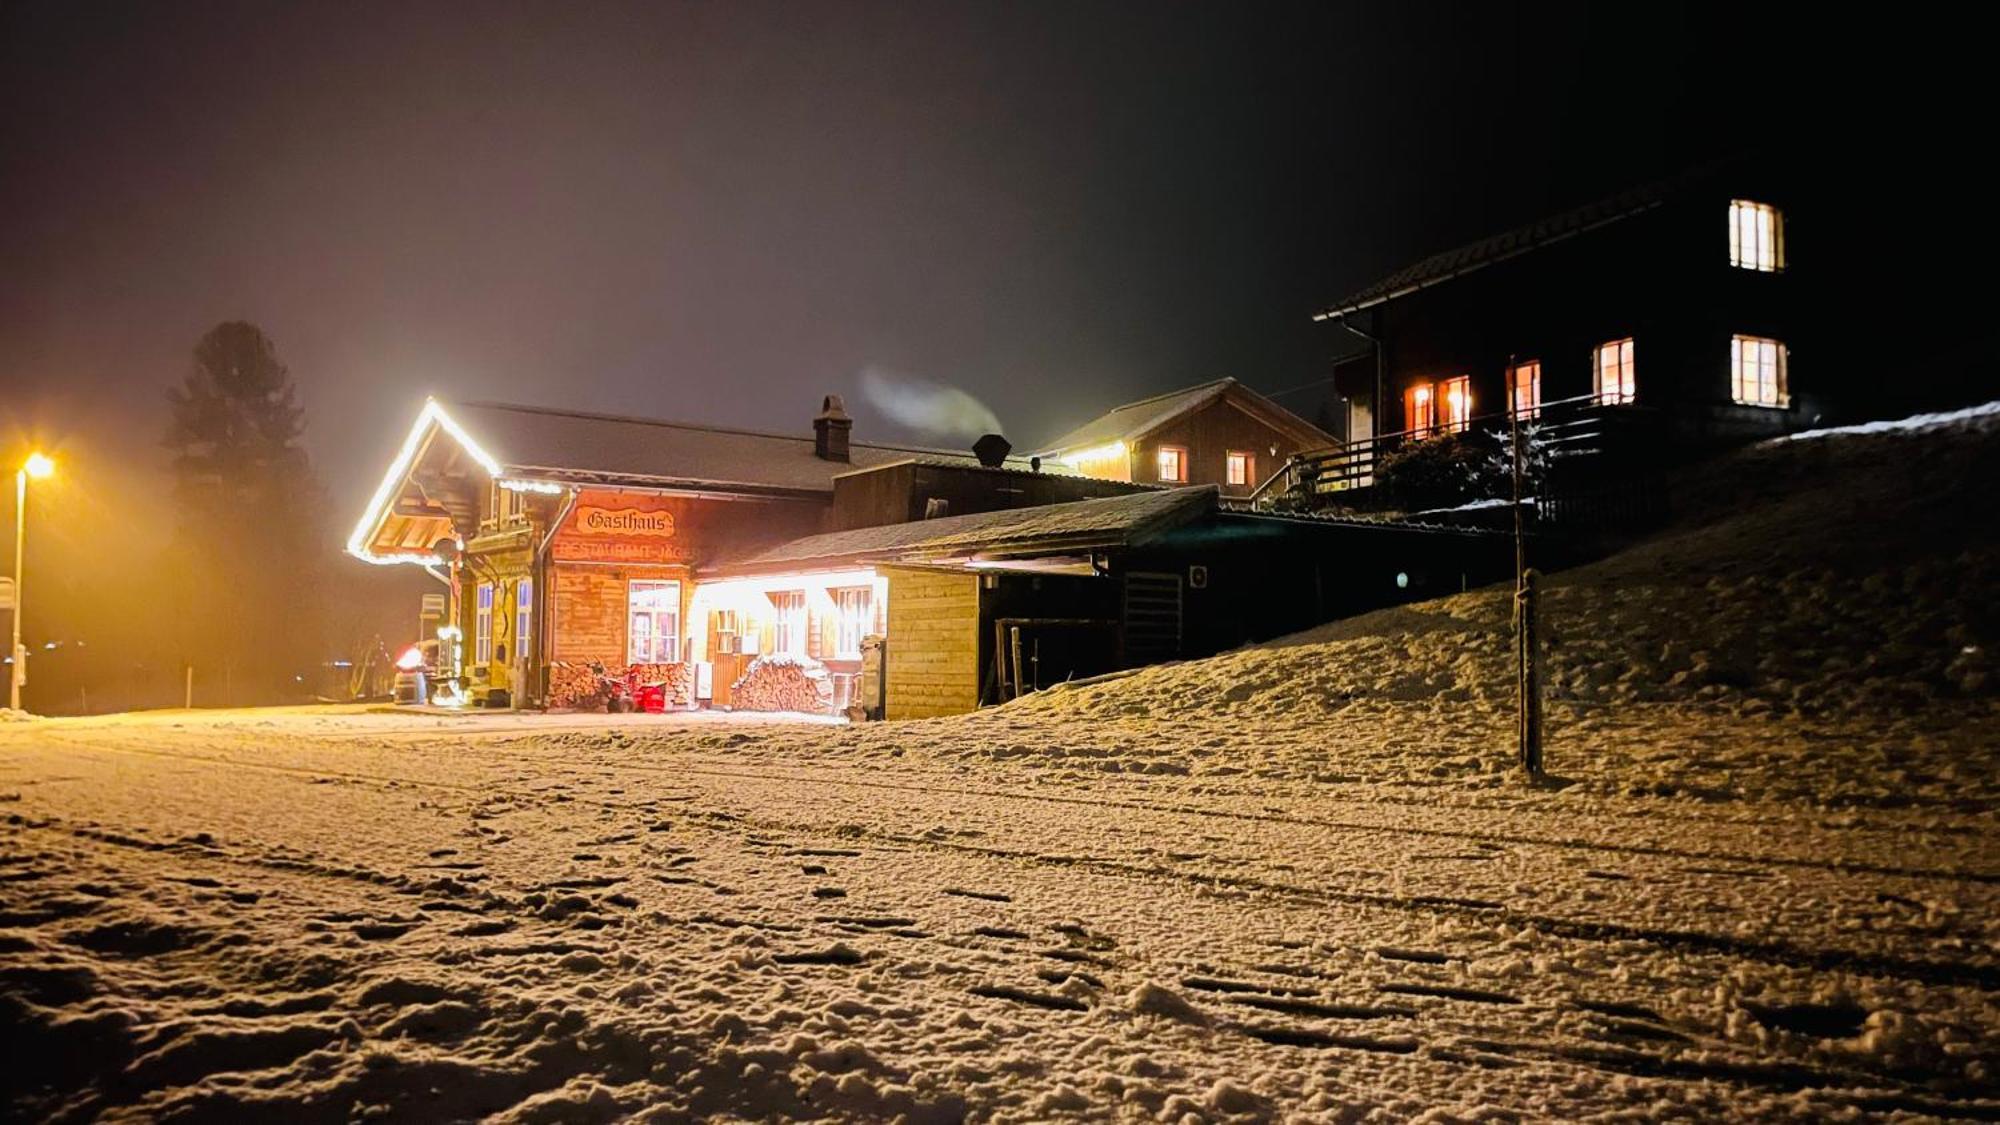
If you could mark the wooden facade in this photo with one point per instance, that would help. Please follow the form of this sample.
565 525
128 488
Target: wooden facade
1221 433
933 663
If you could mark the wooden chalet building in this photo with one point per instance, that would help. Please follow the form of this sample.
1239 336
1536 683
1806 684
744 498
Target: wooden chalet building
679 556
1220 433
1662 318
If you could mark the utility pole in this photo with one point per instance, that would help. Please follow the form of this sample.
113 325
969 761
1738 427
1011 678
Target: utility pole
1527 670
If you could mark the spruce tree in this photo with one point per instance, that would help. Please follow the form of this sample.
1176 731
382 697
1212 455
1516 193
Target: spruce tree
247 505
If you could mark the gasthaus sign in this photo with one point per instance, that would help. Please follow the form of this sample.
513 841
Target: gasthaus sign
622 529
624 521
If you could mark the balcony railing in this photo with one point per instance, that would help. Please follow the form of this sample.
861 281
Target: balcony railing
1563 429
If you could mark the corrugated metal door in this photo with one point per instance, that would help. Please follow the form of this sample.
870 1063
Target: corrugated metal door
1152 617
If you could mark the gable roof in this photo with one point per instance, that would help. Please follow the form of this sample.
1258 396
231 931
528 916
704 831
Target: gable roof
577 447
1080 525
1135 420
1461 260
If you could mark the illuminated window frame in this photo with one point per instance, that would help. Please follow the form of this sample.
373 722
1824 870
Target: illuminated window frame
1420 409
1524 389
524 615
788 635
1757 372
1170 462
1614 375
661 643
1239 468
1756 236
482 625
1454 399
854 614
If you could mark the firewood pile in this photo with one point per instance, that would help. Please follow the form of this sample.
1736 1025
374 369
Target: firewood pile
574 686
783 683
677 678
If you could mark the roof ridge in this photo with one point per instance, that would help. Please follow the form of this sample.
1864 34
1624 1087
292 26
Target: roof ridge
1621 204
1171 394
705 427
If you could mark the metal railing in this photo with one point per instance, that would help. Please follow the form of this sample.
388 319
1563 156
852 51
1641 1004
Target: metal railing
1564 428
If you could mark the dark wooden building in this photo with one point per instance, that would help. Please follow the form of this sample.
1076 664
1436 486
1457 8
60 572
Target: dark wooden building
1667 315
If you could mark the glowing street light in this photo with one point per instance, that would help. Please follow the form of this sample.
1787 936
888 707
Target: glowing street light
39 466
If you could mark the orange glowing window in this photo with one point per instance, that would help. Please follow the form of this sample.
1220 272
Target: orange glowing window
1615 381
1524 389
1455 404
1172 462
1757 371
1239 467
1756 236
1419 409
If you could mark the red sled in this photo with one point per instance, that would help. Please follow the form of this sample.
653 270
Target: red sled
652 698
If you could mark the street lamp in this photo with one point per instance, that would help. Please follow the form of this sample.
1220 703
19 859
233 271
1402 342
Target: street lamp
38 465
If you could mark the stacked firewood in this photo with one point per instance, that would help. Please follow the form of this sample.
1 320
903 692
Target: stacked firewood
675 678
574 686
783 683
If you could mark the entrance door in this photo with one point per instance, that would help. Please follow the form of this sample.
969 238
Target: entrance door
1152 618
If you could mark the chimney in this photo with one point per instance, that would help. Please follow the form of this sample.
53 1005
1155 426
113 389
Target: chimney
992 450
830 430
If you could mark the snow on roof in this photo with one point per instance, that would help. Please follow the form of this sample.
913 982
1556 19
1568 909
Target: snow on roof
1137 419
1078 525
534 441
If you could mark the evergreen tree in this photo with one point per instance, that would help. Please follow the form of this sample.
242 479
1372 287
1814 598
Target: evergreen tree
247 507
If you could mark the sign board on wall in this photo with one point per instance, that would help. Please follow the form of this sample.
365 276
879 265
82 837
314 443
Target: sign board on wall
624 527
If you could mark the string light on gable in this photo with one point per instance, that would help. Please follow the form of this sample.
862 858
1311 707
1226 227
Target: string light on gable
433 414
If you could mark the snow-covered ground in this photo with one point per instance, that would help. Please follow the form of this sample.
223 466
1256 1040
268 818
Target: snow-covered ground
1294 882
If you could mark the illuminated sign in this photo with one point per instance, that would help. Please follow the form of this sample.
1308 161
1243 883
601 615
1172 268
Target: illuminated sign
625 522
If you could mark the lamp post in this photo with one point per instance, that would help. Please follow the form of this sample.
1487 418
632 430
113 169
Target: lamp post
38 465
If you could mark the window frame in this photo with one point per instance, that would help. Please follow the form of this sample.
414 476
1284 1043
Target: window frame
482 623
1449 421
784 625
1765 223
1180 455
1233 459
851 623
524 616
633 612
1627 391
1780 380
1420 409
1533 368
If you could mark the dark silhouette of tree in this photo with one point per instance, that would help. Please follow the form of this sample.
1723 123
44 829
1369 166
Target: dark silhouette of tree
245 556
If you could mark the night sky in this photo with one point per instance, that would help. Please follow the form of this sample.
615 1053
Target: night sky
719 212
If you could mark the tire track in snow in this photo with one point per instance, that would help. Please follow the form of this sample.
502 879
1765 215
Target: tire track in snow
1983 976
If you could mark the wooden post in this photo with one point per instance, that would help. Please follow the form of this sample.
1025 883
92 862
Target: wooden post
1014 645
187 700
1528 676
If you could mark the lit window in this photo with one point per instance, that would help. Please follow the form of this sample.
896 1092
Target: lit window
482 626
1239 467
1757 371
1418 410
1455 404
1756 236
854 609
524 615
790 635
1173 463
1524 389
1613 363
653 613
